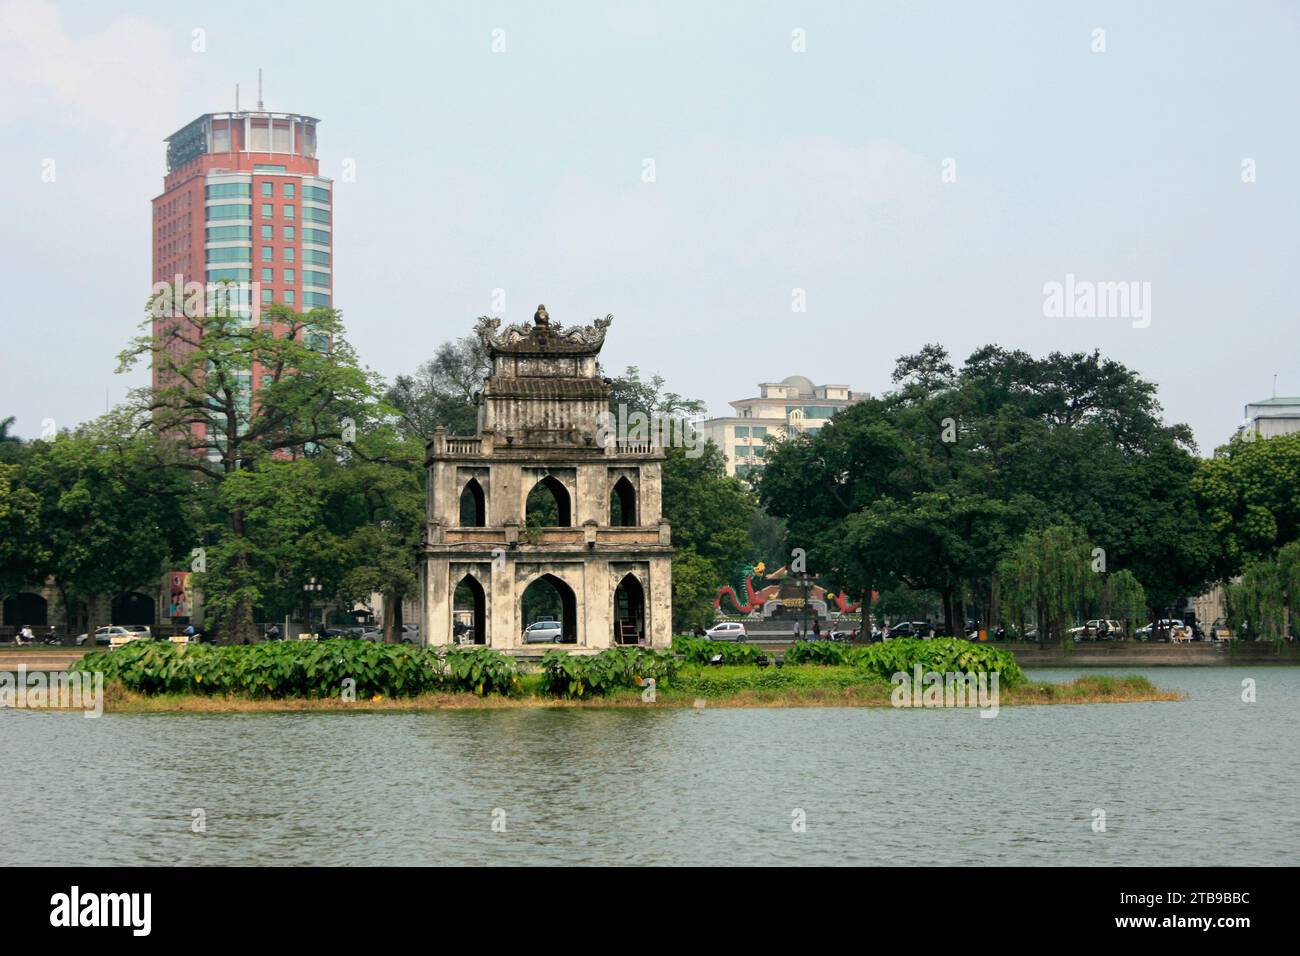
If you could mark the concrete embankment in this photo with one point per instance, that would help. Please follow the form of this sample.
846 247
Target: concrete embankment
1134 654
1127 653
40 658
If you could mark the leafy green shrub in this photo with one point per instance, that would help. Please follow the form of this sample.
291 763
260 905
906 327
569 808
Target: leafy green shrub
582 676
817 652
479 670
700 650
302 669
143 666
943 655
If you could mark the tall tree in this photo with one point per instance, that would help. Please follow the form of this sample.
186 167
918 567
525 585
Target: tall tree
1047 577
648 396
1265 601
311 393
443 391
23 552
375 501
10 445
1250 493
109 519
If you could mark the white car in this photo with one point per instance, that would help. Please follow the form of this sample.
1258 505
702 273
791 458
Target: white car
113 635
1166 629
543 632
1092 630
727 631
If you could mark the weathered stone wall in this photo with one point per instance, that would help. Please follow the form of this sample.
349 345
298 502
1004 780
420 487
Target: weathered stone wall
539 418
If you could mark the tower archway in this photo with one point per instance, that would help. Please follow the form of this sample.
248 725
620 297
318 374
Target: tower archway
469 611
622 504
473 505
629 611
549 505
550 598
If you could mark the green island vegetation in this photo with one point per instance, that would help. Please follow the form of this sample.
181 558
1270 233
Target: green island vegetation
347 675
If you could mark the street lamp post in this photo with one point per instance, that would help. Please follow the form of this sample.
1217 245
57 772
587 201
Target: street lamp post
804 580
311 587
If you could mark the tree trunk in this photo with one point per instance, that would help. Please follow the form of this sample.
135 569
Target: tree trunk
241 628
69 634
995 608
239 625
399 618
864 626
947 609
391 612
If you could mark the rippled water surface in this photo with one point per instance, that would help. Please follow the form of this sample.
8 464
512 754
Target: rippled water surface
1208 781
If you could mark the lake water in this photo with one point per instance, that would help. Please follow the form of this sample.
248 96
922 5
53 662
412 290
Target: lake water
1208 781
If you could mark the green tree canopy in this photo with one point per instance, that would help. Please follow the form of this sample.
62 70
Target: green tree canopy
1250 493
109 517
443 392
1047 577
926 485
311 398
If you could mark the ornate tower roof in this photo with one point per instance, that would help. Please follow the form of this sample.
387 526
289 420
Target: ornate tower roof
545 387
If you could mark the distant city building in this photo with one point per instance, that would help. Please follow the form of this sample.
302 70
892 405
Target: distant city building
1267 418
1271 417
793 405
243 201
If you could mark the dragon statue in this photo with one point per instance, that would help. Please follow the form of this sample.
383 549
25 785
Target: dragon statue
753 601
844 606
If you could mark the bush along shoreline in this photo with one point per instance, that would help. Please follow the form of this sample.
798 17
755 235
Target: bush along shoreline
151 676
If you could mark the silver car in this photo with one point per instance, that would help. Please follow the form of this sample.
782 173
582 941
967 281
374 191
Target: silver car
109 635
543 632
727 631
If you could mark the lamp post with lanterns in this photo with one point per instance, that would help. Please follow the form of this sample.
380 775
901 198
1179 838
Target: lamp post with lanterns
311 587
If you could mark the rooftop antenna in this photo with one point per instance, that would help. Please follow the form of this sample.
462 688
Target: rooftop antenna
236 97
1275 384
259 88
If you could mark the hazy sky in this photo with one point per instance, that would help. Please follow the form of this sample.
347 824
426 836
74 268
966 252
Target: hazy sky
774 170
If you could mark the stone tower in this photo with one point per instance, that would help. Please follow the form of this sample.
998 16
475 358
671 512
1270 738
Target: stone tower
603 547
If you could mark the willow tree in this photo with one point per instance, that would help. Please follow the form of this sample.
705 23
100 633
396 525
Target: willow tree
1263 599
1047 578
1124 599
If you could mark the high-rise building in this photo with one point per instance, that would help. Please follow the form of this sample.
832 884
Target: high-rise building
243 201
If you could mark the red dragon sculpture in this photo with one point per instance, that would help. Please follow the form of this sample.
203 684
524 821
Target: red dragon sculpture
844 606
753 601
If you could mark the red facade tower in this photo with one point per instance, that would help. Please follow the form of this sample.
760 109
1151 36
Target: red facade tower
243 201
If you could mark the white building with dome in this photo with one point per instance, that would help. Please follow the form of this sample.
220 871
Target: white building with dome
791 405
